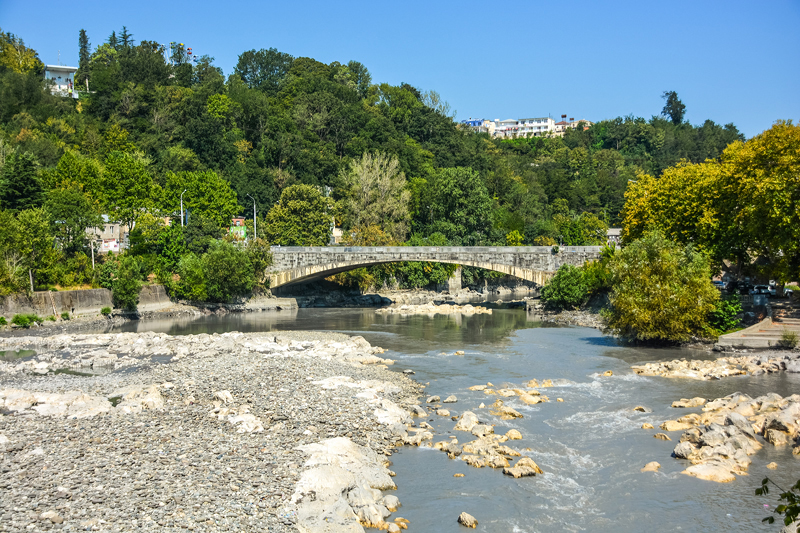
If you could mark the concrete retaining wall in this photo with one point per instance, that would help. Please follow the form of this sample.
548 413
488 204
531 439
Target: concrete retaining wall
83 302
45 303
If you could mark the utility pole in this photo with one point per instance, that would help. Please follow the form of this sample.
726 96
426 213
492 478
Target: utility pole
184 190
255 231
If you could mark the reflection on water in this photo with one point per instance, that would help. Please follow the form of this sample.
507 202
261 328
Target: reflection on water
16 355
591 445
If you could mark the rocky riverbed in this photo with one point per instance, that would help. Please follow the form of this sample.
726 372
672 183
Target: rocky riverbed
755 364
720 439
231 432
432 309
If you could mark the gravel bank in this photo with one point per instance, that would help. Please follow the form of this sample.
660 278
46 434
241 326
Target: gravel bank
195 432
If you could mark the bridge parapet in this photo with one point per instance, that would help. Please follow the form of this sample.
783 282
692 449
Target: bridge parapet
294 264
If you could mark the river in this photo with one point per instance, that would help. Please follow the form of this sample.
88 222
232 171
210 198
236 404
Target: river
591 445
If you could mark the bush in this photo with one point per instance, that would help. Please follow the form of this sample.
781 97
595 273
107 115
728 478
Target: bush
3 321
725 315
64 316
51 318
567 289
107 273
661 291
228 272
192 284
125 292
789 339
25 320
105 311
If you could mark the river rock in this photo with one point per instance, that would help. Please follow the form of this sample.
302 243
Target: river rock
443 412
433 399
466 422
662 436
481 430
524 467
772 466
52 516
467 520
450 399
477 387
651 467
642 409
647 425
685 403
513 434
711 472
674 425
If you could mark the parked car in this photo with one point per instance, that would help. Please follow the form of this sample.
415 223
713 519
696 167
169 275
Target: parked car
788 292
719 284
762 289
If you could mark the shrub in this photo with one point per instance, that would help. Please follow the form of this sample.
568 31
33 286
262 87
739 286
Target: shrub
125 292
789 339
192 284
725 315
51 318
107 273
661 291
105 311
3 321
567 289
25 320
228 272
64 316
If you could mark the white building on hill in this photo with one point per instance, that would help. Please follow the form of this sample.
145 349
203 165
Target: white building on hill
63 79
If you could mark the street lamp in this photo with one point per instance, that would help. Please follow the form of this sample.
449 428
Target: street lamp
255 230
184 190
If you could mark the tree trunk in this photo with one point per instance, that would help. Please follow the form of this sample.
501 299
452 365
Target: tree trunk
30 276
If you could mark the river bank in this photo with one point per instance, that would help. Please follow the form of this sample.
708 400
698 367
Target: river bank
210 432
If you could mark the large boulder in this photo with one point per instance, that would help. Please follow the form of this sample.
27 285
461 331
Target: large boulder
466 422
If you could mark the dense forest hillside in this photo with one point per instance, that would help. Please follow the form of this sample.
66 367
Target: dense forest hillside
155 123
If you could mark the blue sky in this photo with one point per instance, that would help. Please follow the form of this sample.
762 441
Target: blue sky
730 61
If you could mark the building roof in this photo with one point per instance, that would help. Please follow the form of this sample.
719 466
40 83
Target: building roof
60 67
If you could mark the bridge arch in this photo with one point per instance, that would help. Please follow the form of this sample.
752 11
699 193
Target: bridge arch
531 263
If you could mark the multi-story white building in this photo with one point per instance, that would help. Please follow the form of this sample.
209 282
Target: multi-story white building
562 126
63 79
523 127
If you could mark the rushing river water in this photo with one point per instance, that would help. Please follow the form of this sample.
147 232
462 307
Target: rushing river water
591 446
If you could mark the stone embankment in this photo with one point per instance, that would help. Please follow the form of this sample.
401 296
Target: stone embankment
723 367
720 440
231 432
433 309
587 318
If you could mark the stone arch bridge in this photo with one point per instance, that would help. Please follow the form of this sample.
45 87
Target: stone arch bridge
297 264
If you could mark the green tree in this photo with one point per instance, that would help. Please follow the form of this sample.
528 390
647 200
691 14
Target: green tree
673 107
207 195
126 288
301 218
82 76
376 194
71 213
458 206
263 69
192 284
35 242
568 289
661 291
128 187
20 185
17 57
228 272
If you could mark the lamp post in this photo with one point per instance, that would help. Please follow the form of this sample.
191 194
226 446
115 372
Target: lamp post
255 229
184 190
